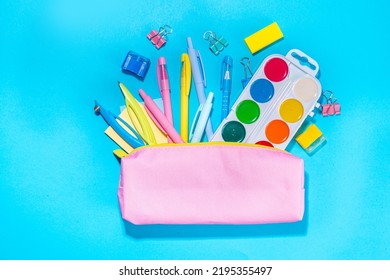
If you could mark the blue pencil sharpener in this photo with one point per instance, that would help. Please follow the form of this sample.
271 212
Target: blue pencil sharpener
136 64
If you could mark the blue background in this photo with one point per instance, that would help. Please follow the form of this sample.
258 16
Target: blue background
58 177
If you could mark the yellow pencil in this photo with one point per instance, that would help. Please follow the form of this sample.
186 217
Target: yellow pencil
185 84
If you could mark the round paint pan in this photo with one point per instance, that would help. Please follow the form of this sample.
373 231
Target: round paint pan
277 131
276 69
264 143
248 111
262 90
291 110
233 131
306 89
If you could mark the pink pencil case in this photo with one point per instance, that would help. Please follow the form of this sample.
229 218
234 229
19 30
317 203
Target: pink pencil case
211 183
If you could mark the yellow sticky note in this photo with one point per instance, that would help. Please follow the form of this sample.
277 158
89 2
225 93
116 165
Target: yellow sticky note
160 136
120 153
263 37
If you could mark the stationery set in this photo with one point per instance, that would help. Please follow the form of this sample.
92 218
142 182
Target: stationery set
242 175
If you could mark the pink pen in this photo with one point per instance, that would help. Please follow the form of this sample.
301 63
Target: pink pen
163 84
159 116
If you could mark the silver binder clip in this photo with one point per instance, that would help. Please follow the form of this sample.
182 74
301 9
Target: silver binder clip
331 107
245 61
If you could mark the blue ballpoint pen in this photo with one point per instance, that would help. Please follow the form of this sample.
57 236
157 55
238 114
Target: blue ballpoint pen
199 80
111 120
226 84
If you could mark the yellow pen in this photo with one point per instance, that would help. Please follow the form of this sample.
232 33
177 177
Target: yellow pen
185 84
135 112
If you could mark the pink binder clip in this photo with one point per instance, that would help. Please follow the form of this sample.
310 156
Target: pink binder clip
332 107
159 38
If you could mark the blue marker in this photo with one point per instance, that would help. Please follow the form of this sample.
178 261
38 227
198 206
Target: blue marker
226 84
199 80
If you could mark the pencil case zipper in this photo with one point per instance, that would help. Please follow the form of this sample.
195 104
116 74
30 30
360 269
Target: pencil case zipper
205 144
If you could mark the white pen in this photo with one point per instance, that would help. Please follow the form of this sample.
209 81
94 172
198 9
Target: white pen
204 114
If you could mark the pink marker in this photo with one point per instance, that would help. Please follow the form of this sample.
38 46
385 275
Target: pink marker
159 116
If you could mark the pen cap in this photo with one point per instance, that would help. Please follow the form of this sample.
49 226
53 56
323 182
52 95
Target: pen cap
209 99
227 64
161 60
185 77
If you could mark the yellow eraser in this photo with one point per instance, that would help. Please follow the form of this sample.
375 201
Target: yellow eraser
308 137
263 37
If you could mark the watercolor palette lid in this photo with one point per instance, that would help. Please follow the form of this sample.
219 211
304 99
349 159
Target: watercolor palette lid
281 94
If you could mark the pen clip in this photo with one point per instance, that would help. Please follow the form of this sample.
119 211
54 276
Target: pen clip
112 120
224 67
196 118
137 116
133 117
186 72
201 64
159 75
137 136
227 64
